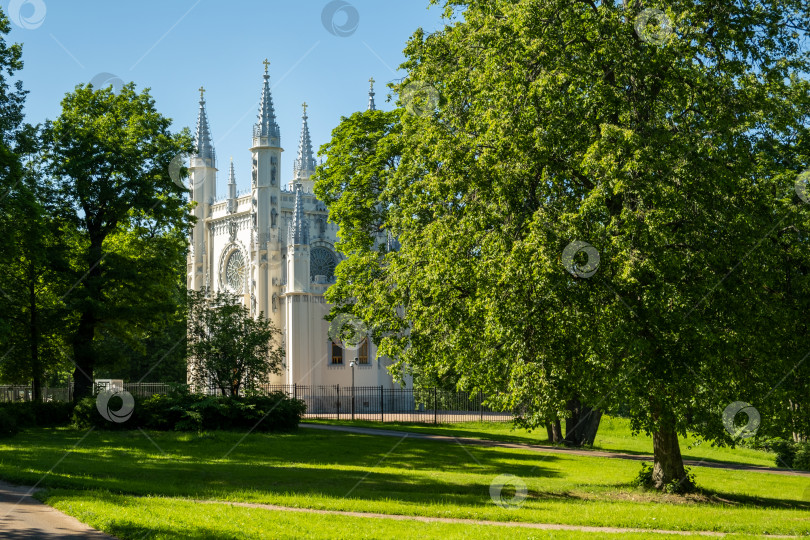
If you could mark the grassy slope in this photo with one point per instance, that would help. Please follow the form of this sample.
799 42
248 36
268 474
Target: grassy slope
364 473
614 435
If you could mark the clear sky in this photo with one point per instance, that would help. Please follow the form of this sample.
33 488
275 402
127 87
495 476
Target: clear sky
175 46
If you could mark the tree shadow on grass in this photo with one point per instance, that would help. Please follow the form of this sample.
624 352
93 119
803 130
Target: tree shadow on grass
327 464
334 465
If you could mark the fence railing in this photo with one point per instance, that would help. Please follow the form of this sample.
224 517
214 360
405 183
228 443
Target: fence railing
429 405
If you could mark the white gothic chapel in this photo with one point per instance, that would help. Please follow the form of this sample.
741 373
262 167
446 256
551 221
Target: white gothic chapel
275 248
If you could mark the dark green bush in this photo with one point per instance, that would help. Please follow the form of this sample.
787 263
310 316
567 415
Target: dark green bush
21 412
790 454
52 413
33 414
195 412
8 426
802 459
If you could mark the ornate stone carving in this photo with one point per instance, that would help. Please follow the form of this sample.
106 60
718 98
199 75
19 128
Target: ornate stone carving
232 228
254 174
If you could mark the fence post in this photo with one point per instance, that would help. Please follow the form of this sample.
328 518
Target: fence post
435 403
295 390
338 401
382 405
481 404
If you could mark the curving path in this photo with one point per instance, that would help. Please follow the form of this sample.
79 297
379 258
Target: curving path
545 448
24 517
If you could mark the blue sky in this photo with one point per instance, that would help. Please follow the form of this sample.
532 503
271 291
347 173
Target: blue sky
175 46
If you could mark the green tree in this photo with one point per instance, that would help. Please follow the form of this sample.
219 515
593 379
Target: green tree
227 347
670 140
108 155
33 259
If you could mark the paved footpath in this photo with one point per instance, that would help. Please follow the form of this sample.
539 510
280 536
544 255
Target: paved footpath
23 517
543 448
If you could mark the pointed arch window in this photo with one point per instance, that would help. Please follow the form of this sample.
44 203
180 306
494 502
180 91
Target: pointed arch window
362 353
337 353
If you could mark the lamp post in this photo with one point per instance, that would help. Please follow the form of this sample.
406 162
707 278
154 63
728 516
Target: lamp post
352 364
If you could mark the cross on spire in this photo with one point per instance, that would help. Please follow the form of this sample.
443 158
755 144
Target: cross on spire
304 105
371 84
202 91
266 65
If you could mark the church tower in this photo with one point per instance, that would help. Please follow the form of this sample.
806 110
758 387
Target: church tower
203 186
299 346
265 206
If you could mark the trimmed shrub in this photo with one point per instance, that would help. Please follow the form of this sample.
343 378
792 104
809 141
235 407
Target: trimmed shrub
8 426
21 412
52 413
196 412
33 414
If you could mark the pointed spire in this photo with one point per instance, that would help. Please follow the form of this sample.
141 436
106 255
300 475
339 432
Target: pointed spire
205 148
393 242
371 105
304 165
266 126
231 190
299 230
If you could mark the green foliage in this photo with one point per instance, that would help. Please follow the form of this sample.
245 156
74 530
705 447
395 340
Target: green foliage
802 459
227 346
790 454
32 261
39 414
8 424
645 476
644 479
197 412
107 156
558 122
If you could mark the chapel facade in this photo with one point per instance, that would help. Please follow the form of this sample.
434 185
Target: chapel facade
274 247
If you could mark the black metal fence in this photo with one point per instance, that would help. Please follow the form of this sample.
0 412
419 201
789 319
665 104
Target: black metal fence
375 403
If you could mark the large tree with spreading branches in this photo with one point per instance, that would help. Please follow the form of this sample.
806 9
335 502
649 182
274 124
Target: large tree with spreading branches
595 202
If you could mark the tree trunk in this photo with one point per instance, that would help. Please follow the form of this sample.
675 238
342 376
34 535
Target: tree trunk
591 418
581 424
36 366
554 430
668 468
83 353
83 357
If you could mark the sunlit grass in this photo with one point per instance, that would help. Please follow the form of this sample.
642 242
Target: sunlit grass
159 518
614 435
340 471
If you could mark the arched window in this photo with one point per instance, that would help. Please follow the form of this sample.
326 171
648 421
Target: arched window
337 353
362 356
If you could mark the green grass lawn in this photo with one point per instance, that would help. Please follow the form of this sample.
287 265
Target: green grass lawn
341 471
614 435
160 518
